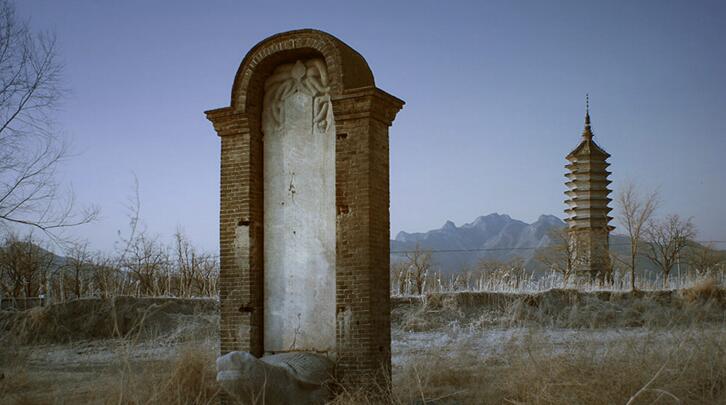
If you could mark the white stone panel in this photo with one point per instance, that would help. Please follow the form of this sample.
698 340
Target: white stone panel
299 209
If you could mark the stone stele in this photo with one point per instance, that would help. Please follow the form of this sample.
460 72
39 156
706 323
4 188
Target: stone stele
304 207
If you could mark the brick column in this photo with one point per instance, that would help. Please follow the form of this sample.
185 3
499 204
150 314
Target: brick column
240 232
362 118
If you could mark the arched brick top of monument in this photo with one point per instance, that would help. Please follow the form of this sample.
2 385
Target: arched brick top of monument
347 69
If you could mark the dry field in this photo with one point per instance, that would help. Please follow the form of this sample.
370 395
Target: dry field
555 347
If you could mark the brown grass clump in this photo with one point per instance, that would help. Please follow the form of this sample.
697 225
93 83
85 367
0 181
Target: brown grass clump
703 290
117 317
192 380
189 379
654 368
14 379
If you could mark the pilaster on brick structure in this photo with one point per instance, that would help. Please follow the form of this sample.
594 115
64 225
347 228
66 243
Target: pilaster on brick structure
282 80
588 199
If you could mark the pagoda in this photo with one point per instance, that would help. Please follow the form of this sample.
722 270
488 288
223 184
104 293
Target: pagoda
587 210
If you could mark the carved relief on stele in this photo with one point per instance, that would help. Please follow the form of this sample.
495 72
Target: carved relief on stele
299 209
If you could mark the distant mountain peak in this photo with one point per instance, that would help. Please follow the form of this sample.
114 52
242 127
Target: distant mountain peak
491 218
402 236
550 219
488 236
449 226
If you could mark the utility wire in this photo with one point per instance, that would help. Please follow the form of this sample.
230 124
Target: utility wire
517 248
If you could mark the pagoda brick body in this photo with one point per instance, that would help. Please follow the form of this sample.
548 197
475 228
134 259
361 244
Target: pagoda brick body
587 210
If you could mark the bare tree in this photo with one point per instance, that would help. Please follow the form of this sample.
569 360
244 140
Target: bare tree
151 267
704 258
208 275
634 212
418 264
30 151
666 239
398 278
107 277
78 266
559 256
196 270
146 262
24 266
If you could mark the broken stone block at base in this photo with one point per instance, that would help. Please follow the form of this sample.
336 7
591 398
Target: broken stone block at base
286 378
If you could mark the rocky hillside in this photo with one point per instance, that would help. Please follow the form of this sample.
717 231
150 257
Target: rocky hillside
493 236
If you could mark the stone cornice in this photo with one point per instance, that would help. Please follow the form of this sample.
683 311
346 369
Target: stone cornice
366 102
227 121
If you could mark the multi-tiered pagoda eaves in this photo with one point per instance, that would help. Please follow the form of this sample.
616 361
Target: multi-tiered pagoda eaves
587 202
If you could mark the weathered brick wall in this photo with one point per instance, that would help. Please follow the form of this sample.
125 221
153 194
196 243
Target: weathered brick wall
592 254
362 114
362 276
240 221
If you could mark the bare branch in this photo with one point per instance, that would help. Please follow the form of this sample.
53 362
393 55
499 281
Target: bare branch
666 239
634 211
30 151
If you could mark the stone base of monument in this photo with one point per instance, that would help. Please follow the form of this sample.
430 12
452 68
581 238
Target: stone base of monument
285 378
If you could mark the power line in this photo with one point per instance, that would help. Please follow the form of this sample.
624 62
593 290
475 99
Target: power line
517 248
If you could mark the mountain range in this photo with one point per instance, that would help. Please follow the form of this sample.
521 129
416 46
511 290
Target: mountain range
493 236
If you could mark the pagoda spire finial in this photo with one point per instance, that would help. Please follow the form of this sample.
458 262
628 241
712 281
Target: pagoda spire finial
587 133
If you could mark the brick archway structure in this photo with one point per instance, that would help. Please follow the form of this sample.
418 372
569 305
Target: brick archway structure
362 116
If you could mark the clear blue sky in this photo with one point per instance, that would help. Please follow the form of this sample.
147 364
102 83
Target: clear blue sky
494 97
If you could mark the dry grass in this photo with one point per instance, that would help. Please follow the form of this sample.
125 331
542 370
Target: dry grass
662 361
675 368
13 375
117 317
707 289
572 309
685 367
188 379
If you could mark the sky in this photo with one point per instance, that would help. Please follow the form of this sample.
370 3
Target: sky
494 97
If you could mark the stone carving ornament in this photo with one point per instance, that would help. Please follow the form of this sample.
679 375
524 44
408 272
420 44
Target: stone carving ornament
309 77
299 208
